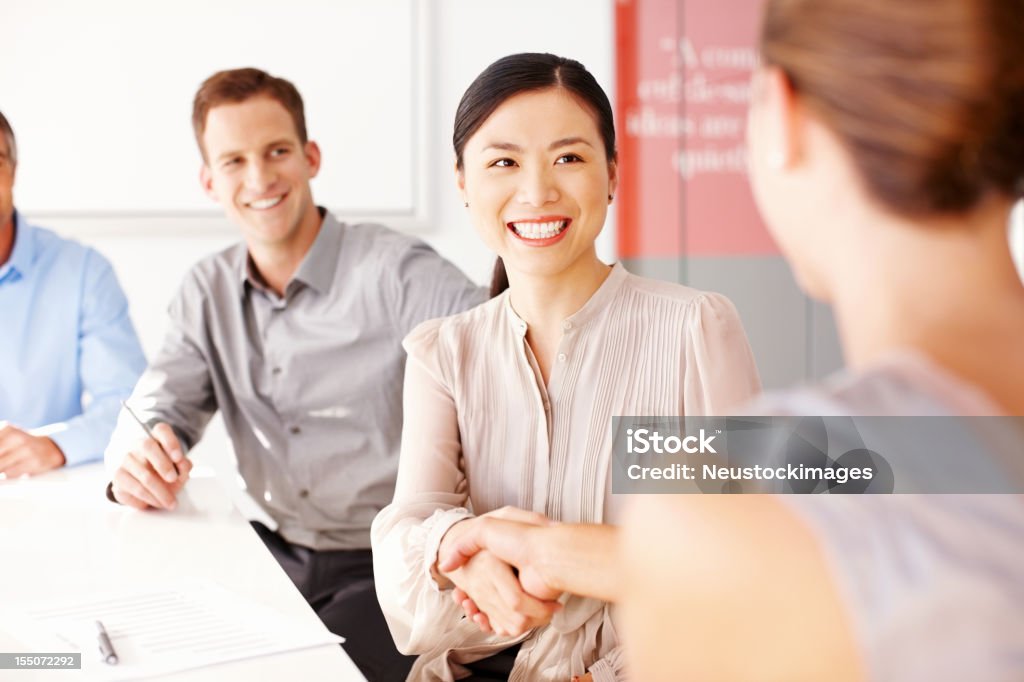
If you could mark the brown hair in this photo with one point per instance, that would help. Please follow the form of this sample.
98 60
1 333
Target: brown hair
926 95
238 85
12 144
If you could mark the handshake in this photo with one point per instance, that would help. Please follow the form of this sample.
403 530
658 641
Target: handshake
502 570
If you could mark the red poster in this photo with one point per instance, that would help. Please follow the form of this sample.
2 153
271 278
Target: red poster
684 70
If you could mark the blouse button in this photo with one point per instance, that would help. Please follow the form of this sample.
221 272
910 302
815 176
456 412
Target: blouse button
567 325
561 357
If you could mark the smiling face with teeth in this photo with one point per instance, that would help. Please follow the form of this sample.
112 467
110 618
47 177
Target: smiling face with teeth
259 171
537 180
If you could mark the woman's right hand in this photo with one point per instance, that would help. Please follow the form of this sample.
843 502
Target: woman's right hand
510 540
498 601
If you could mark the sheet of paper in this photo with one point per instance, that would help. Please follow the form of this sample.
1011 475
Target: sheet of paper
160 631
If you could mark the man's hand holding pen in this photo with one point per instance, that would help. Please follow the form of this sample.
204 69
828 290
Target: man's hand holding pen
153 472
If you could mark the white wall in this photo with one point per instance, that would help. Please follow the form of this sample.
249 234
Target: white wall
120 71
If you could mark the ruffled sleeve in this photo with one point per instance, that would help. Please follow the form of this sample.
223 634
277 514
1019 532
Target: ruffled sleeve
610 668
719 372
430 496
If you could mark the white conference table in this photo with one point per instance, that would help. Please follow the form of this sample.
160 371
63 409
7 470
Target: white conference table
59 534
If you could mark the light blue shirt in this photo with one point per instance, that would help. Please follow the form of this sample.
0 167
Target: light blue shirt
68 351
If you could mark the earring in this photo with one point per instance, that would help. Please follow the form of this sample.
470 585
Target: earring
610 198
465 204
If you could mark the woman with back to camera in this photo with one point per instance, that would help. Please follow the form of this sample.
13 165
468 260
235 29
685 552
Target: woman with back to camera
510 404
886 151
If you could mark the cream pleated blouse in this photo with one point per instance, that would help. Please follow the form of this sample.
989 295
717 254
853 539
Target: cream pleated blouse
482 431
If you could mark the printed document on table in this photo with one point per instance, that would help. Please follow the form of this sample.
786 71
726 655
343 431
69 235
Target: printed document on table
159 631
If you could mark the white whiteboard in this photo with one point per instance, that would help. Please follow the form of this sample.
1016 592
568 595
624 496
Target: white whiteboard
99 94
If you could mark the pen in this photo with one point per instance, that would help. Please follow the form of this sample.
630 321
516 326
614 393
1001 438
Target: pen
149 433
106 648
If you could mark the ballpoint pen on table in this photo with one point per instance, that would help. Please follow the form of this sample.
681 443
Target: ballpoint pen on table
106 648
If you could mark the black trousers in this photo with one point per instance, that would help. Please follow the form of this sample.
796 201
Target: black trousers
338 585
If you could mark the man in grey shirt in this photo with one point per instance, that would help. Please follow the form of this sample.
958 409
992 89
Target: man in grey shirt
295 335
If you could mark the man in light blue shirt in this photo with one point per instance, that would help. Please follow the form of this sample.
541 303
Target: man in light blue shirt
65 340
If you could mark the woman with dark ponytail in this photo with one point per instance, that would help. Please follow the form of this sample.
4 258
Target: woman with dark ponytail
508 408
499 278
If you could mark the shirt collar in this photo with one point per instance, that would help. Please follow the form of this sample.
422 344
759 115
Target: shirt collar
317 269
593 307
318 266
24 252
248 275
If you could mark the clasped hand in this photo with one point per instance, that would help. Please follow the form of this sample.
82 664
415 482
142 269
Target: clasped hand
496 584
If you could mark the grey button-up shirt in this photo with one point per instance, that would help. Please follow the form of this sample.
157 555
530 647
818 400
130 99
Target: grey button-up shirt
309 384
